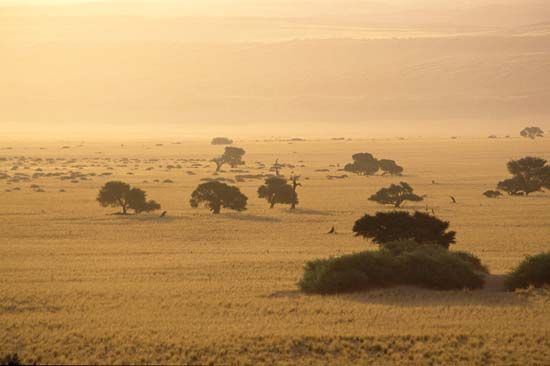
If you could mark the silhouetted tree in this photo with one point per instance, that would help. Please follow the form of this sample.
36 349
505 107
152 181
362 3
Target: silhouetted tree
390 167
221 141
532 132
363 164
395 195
530 175
386 227
492 194
232 156
277 190
277 168
120 194
295 184
216 195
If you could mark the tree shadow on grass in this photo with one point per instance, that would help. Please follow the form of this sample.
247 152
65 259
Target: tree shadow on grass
247 217
492 295
307 211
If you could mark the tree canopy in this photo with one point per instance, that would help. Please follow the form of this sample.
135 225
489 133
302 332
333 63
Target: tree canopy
120 194
367 164
390 167
363 164
221 141
395 195
215 195
232 156
276 190
532 132
529 174
386 227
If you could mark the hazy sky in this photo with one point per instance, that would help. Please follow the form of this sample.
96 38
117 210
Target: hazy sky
292 67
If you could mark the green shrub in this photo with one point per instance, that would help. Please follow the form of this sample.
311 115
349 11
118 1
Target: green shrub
474 261
533 271
399 263
432 267
355 272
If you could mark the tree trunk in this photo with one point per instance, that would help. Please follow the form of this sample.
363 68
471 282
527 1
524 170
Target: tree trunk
293 206
216 209
272 204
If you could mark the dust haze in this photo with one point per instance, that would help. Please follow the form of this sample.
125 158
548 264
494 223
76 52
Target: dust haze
263 68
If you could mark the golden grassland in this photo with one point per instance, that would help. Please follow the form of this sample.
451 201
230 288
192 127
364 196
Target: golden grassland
80 285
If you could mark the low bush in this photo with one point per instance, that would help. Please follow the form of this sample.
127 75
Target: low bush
399 263
533 271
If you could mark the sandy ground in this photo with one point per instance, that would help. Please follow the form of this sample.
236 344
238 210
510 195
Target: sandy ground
80 285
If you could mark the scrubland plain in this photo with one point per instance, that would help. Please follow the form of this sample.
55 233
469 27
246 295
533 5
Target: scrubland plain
80 285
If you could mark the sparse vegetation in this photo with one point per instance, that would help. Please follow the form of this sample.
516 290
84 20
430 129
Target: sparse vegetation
216 195
533 271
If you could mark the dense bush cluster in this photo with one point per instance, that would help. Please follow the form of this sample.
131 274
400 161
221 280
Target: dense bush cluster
398 263
533 271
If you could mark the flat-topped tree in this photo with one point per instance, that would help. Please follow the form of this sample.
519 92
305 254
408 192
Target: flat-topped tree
221 141
387 227
363 164
277 190
395 195
216 195
530 174
120 194
232 156
532 132
390 167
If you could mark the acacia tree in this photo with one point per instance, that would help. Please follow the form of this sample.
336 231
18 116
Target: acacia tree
529 174
216 195
277 190
363 164
232 156
395 195
120 194
386 227
295 184
532 132
390 167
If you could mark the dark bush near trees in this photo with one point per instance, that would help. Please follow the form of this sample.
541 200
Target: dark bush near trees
492 194
277 190
367 164
532 132
530 175
385 227
406 263
232 156
215 195
363 164
120 194
395 195
221 141
533 271
390 167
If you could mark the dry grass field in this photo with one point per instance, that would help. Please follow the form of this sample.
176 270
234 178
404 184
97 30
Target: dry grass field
79 285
